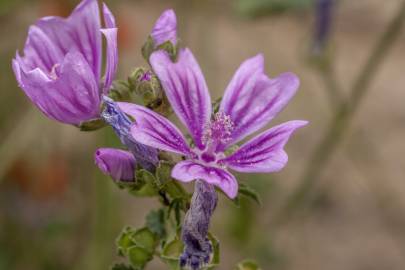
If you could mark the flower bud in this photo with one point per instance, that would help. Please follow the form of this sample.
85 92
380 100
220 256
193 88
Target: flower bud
147 86
118 164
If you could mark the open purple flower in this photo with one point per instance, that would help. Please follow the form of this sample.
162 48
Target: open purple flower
250 101
118 164
61 68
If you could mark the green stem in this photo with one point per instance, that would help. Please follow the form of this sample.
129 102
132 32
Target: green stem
342 118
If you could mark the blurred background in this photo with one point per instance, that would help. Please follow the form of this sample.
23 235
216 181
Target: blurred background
340 205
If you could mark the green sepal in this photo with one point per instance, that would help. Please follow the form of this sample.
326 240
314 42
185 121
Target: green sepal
155 221
146 239
137 245
146 184
120 91
247 265
139 257
163 173
125 241
165 181
148 48
92 125
121 266
170 48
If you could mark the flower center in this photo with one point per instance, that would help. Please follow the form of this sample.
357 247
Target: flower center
218 131
55 71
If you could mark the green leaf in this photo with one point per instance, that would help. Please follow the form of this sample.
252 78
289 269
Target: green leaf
248 265
145 238
121 266
249 192
139 257
155 221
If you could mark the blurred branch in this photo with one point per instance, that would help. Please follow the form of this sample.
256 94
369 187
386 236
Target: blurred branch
342 118
332 87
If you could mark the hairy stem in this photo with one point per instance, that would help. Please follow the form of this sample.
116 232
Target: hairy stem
198 249
342 118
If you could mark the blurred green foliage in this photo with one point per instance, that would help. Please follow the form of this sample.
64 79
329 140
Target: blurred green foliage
256 8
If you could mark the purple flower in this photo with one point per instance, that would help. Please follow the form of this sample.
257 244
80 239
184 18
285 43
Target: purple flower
61 68
250 101
118 164
165 28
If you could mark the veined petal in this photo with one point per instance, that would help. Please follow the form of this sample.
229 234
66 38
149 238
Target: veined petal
111 64
118 164
154 130
186 90
70 97
109 19
187 171
265 152
39 51
165 28
252 99
80 32
110 33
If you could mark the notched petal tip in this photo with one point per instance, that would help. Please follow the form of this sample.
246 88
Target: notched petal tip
165 28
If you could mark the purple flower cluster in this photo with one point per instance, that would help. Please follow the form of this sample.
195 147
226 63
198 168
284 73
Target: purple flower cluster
60 72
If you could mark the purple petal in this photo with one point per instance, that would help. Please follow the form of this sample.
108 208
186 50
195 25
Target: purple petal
70 96
40 51
186 90
265 152
110 33
80 32
165 28
118 164
252 99
109 19
187 171
154 130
